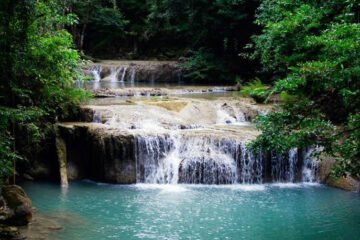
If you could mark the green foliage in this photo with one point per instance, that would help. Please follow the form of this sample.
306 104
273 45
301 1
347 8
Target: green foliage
257 90
39 69
99 18
204 67
22 120
287 98
313 49
164 29
349 149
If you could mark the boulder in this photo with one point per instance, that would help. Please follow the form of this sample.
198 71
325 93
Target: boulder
346 183
15 207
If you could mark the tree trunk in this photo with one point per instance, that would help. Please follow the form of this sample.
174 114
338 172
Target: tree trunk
85 23
82 36
114 4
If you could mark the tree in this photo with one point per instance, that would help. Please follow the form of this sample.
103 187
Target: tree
40 67
313 49
101 20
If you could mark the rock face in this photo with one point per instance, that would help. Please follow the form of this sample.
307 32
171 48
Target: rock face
346 183
15 206
93 153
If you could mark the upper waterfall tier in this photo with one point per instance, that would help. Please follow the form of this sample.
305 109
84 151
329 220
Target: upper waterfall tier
131 71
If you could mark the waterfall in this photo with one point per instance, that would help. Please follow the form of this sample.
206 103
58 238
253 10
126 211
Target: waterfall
227 114
97 117
152 79
251 166
224 118
123 74
133 75
182 156
310 166
283 166
114 73
293 158
150 152
207 161
194 159
204 160
95 72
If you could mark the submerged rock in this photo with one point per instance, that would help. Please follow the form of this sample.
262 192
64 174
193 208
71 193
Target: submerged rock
16 206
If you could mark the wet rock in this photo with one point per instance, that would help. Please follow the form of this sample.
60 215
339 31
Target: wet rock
325 166
16 206
72 171
105 72
8 232
346 183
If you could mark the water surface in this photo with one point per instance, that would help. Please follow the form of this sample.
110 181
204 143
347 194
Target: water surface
145 211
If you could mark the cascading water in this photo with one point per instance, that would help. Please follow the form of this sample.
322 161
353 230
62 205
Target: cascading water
293 158
193 154
310 166
283 166
114 74
152 79
251 166
194 159
150 152
97 117
203 160
207 161
230 115
95 72
123 74
133 75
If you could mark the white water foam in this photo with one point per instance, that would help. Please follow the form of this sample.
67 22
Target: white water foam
173 188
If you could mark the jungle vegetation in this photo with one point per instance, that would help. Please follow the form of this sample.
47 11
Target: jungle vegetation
306 53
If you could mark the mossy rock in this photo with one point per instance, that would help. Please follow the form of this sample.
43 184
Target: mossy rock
18 204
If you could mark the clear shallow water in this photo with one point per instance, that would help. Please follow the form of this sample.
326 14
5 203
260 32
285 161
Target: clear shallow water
278 211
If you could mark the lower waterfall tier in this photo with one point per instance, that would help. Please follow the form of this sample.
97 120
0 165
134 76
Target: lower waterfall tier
189 156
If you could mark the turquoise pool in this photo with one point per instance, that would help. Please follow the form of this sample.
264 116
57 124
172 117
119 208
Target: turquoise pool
275 211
